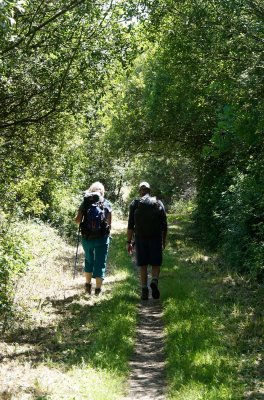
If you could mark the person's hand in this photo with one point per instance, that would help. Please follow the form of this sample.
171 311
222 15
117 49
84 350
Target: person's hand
130 248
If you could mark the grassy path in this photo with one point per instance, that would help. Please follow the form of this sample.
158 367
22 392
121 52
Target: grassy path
214 326
64 345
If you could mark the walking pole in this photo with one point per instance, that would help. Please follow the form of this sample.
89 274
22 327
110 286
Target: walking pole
76 255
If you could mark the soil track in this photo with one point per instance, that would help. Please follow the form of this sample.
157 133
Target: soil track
147 377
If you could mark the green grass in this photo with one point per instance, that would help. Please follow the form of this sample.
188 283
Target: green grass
203 357
96 341
72 347
81 348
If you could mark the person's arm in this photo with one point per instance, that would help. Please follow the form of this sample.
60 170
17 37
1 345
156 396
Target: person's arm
130 233
78 217
130 228
164 226
109 219
108 213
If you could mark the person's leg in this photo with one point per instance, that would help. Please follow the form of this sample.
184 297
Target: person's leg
155 281
144 282
156 261
155 272
142 262
99 282
88 277
144 275
101 253
88 263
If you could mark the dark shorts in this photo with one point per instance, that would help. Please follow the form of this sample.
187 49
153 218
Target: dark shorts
149 251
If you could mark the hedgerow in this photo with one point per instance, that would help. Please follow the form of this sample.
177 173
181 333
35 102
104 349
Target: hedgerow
14 258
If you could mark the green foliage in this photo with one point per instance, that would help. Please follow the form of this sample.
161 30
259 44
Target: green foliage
56 60
182 207
8 11
14 258
124 91
170 179
197 94
241 212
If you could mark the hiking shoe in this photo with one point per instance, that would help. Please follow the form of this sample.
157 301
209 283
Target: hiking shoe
97 291
88 288
144 294
155 290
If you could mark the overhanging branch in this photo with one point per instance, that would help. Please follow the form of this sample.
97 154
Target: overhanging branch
31 33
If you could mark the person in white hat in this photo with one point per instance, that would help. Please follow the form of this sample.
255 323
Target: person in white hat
95 243
148 222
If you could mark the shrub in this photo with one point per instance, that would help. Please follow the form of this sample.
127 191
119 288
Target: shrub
241 210
14 257
230 213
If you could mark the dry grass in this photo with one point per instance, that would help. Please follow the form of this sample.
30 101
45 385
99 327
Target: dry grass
45 298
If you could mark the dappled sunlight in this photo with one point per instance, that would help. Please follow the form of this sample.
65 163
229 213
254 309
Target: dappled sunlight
116 277
201 363
83 382
68 334
118 226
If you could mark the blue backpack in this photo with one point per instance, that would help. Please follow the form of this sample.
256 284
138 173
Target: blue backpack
94 223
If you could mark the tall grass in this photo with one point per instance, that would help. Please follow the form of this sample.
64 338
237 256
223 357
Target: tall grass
78 347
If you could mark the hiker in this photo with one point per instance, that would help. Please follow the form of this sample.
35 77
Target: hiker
95 216
148 222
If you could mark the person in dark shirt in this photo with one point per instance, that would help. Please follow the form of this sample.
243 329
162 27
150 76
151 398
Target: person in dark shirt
147 220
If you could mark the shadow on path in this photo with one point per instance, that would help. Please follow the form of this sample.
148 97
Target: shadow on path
147 377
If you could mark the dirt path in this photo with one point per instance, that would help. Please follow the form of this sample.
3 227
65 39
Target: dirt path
49 304
147 378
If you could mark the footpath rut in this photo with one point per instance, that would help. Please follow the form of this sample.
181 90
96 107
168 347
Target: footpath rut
147 377
147 364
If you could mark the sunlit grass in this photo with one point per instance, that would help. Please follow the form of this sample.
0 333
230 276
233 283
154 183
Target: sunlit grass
80 346
77 347
80 383
99 340
201 363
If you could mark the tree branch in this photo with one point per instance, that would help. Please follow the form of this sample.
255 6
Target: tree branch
33 31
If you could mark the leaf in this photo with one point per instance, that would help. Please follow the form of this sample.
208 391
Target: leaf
12 21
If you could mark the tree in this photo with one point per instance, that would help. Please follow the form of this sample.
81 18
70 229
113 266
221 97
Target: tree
198 92
56 58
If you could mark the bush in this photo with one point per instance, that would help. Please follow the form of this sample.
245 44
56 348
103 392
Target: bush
63 205
230 214
182 207
14 257
241 211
